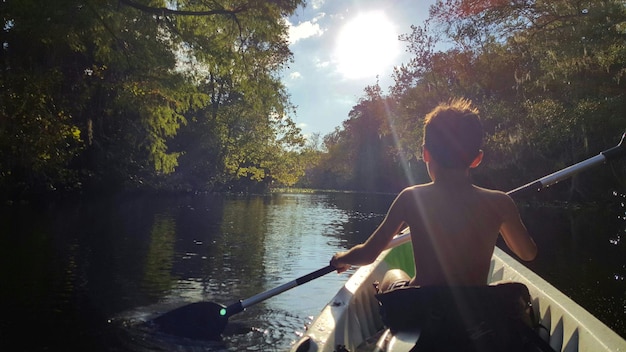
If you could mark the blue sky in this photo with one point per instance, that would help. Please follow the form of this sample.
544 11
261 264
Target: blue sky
339 48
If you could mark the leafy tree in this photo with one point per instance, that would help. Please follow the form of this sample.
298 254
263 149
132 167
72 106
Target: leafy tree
37 135
96 92
365 154
547 76
247 119
333 170
310 157
539 71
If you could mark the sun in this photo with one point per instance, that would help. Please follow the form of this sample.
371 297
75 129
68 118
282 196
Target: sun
366 46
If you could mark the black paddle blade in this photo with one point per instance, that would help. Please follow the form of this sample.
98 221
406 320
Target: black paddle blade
198 321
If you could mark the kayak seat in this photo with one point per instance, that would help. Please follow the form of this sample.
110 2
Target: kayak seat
469 318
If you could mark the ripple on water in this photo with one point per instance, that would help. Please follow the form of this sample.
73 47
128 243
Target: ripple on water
269 330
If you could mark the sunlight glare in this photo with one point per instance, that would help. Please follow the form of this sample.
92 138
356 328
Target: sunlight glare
366 46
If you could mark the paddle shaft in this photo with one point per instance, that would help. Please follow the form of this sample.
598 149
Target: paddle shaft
546 181
245 303
609 154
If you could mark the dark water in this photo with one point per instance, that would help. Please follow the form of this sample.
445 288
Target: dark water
82 276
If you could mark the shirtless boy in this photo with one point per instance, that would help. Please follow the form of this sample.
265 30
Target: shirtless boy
454 224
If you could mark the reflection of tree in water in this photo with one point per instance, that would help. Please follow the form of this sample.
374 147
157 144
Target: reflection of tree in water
617 246
240 256
364 212
582 254
617 240
159 259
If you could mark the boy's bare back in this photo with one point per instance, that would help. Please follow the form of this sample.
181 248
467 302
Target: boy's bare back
457 228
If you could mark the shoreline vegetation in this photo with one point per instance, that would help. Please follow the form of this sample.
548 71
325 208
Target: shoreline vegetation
104 101
614 200
296 190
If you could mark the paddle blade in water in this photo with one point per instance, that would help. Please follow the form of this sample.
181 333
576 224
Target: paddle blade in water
200 321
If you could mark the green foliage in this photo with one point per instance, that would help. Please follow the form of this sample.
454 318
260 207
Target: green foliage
365 155
144 94
38 134
548 77
187 96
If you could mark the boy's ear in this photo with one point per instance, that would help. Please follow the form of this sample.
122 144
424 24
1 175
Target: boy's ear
425 155
477 160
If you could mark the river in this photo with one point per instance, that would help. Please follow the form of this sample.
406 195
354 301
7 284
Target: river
84 275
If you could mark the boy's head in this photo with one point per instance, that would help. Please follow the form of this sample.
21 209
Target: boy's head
453 134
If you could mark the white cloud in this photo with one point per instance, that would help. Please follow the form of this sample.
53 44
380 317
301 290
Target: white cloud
295 75
316 4
305 30
321 64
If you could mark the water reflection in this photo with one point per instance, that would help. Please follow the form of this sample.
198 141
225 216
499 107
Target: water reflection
69 269
577 254
157 278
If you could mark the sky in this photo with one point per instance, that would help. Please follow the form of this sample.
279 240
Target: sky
339 48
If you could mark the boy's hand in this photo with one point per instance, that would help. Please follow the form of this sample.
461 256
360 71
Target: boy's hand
336 262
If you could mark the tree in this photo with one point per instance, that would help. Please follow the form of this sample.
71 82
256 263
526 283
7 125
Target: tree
365 155
546 75
97 91
235 58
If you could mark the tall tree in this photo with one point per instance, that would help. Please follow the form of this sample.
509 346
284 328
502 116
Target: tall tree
365 154
545 73
248 119
109 84
547 76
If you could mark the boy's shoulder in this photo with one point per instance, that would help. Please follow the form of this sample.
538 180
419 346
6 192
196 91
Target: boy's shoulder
415 190
431 185
429 190
492 192
499 200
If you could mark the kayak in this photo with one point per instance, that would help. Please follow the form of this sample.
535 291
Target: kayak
351 320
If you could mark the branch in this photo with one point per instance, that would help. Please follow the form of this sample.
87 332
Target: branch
166 11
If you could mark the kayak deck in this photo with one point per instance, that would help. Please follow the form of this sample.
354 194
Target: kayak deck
351 319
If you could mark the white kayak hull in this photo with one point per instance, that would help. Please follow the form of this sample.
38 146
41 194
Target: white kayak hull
351 318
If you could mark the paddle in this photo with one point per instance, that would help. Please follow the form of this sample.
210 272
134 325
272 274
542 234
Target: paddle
207 320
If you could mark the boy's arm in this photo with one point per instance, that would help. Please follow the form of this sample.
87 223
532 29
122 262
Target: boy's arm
367 252
515 233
